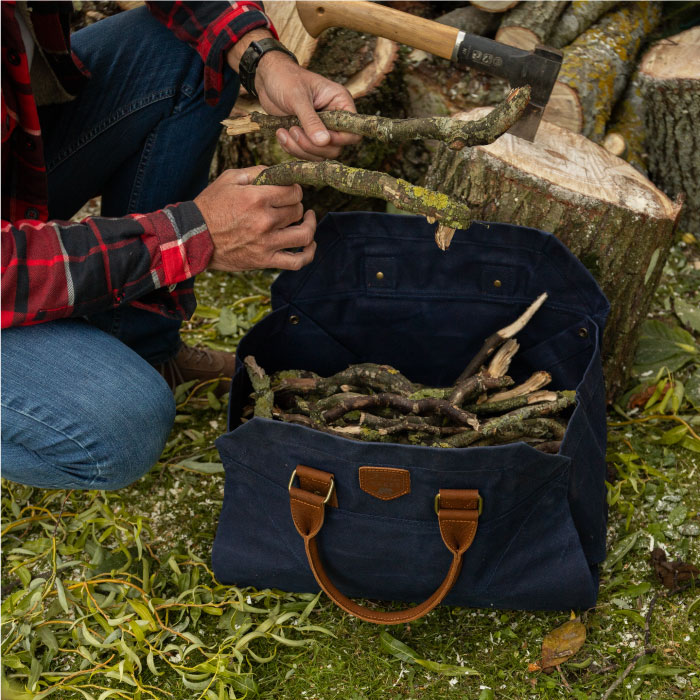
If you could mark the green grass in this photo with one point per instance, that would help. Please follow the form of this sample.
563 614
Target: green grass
111 595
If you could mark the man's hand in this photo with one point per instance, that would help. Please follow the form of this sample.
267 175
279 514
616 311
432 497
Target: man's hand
253 226
284 88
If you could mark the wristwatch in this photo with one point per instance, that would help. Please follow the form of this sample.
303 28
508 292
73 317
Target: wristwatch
251 57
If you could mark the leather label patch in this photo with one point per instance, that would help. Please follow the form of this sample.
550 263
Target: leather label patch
385 483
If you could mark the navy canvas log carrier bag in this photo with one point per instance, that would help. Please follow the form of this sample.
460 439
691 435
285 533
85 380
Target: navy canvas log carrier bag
513 527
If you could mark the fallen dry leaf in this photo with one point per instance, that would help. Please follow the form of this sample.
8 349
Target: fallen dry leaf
639 400
562 643
672 574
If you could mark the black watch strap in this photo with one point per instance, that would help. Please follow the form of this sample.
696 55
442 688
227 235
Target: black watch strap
251 57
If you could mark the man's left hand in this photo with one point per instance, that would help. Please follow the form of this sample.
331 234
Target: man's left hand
285 88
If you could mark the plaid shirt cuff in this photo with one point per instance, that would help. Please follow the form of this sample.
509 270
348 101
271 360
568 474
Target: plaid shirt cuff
221 36
184 242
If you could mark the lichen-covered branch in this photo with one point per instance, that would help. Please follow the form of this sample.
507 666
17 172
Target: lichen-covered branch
515 419
264 397
478 384
449 213
380 378
457 134
404 405
511 403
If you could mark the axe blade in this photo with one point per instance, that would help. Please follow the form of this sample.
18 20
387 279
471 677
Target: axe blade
538 68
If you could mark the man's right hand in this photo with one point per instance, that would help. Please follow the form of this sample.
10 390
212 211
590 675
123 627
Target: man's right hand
253 226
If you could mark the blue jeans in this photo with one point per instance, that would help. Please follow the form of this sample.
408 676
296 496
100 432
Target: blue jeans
82 406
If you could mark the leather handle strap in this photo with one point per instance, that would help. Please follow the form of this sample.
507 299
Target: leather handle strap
458 515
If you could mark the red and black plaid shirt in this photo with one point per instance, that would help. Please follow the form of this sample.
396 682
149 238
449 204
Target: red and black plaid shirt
55 269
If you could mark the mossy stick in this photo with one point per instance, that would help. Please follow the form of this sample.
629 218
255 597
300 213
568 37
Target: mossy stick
421 407
477 384
515 419
456 133
368 374
511 403
449 213
264 397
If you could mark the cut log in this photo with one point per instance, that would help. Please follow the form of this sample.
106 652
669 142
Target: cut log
626 134
380 55
609 215
436 86
577 17
291 31
596 68
529 24
472 20
670 86
494 5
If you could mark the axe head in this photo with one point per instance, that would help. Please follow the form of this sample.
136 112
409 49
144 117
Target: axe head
538 68
540 73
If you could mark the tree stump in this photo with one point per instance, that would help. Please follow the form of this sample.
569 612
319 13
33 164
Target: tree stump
596 68
529 24
610 216
670 85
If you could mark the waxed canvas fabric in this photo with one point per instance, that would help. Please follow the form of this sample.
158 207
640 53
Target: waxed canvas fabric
541 534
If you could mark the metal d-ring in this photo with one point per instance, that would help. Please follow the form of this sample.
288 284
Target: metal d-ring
330 488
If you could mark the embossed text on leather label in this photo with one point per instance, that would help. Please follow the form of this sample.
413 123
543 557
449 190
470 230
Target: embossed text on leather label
385 482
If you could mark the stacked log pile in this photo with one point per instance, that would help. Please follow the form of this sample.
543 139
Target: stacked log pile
377 403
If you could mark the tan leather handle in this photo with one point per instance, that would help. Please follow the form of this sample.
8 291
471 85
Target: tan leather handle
370 17
458 515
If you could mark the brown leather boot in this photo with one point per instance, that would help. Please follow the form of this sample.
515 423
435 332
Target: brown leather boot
200 364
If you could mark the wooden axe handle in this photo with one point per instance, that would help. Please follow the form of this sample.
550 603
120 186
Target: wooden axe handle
372 18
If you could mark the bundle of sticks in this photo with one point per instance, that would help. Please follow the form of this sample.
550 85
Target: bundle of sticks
377 403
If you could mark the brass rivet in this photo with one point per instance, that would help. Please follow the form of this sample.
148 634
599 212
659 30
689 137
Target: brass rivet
497 283
380 275
583 332
294 320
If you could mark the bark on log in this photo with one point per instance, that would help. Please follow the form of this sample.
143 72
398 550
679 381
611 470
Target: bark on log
529 24
436 86
614 219
670 86
577 17
626 135
471 19
596 68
